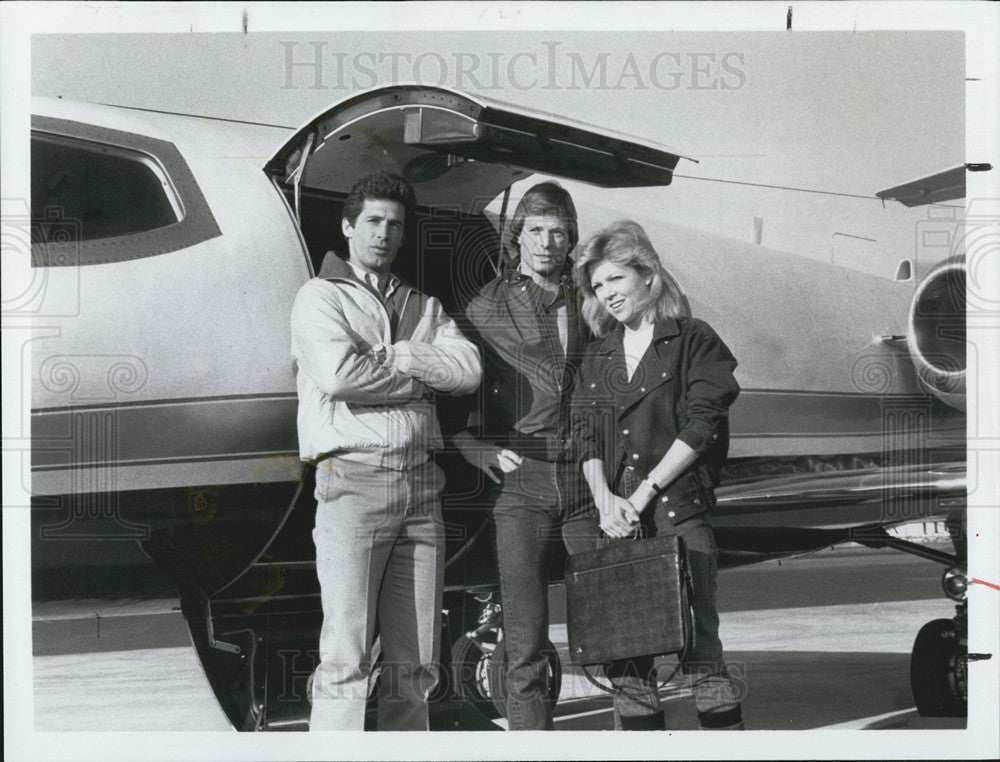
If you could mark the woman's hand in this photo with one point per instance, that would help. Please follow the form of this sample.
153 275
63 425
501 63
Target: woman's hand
618 515
487 457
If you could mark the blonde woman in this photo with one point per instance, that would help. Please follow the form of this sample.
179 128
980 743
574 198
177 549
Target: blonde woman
650 412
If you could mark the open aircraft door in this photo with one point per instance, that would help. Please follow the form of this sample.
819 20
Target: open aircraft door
257 634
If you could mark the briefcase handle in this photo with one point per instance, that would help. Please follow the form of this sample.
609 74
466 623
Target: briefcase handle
639 533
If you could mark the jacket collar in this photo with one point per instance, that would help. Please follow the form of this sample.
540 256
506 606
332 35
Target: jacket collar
336 267
662 329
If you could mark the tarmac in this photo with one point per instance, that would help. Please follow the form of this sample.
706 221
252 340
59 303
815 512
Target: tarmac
833 655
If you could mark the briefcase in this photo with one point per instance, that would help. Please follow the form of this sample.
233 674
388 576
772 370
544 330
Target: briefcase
627 599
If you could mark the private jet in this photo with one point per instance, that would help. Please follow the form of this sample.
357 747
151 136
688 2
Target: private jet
167 249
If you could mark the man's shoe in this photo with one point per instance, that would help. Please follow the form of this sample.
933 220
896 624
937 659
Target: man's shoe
641 722
729 718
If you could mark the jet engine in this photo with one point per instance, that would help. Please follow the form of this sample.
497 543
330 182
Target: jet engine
936 332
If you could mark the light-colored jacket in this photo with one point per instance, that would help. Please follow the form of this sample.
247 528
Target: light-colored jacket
357 407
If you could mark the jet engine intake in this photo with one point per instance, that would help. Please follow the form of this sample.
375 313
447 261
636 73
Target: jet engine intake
936 332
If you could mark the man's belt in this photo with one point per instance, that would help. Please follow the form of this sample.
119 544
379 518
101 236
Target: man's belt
548 448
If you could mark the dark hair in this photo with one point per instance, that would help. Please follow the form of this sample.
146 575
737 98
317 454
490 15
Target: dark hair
626 244
381 186
548 198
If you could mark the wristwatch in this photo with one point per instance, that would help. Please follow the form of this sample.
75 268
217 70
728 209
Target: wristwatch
652 485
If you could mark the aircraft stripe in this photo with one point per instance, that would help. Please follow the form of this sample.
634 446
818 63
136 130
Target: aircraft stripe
190 430
771 414
162 402
752 392
202 116
233 426
174 461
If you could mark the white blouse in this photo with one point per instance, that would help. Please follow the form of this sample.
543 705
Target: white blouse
635 344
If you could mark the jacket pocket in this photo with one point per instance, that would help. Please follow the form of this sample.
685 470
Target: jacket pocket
684 498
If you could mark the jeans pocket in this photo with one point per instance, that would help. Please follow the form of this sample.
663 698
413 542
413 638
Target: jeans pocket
328 482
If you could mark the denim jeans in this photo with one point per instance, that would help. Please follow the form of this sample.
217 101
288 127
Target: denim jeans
536 500
379 557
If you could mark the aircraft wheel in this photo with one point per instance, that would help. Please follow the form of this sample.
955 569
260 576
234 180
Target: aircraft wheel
938 671
498 675
470 669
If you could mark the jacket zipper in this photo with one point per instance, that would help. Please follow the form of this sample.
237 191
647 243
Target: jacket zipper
387 333
402 310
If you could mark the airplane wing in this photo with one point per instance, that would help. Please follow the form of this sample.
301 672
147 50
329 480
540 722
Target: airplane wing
799 512
931 189
839 499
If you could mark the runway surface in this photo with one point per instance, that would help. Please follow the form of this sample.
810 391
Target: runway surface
816 642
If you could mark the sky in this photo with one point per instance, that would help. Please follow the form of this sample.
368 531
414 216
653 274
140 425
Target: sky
831 111
849 112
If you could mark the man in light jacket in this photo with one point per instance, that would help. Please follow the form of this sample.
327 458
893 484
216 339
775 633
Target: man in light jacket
370 351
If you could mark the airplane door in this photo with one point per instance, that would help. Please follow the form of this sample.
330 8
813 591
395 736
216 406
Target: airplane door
459 153
457 149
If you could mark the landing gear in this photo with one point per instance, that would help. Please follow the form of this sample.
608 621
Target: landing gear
939 668
479 665
939 661
471 657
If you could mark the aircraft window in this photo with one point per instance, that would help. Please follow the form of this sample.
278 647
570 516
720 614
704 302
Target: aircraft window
100 195
106 191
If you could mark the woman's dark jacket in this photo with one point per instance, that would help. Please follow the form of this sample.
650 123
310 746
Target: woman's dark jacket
681 389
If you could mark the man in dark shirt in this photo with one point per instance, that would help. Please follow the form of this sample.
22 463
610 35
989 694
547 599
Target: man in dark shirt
529 328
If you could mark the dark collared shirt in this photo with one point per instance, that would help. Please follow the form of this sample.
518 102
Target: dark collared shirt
528 376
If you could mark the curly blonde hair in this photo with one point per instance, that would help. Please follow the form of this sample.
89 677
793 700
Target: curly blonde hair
626 244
